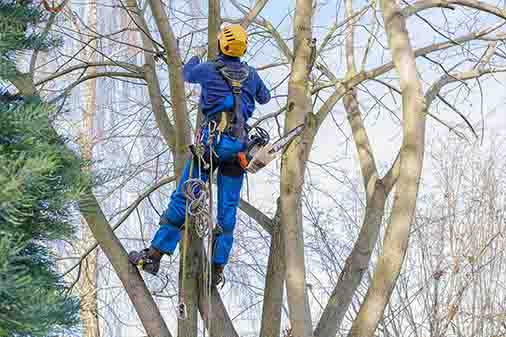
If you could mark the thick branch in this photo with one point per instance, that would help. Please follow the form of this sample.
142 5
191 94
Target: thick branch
221 324
358 260
132 281
213 24
177 92
411 162
155 94
253 13
274 282
257 215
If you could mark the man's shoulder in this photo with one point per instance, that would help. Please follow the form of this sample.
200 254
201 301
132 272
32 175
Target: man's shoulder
208 64
253 71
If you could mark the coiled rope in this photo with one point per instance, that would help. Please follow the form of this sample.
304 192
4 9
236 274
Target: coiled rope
197 193
199 201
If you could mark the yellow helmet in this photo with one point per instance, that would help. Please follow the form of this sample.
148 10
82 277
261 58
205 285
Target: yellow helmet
233 40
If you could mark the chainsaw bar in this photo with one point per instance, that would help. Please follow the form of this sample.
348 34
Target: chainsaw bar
284 141
268 152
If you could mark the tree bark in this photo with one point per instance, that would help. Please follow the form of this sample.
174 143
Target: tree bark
89 276
292 174
193 284
176 83
274 283
411 162
213 24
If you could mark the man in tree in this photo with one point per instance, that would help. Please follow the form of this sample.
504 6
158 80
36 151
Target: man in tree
229 89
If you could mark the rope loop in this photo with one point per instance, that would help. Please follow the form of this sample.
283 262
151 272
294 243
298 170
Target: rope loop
197 192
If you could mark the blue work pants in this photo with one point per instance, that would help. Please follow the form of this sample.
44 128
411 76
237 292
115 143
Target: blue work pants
230 177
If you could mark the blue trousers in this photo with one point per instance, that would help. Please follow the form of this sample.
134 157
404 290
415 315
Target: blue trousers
229 183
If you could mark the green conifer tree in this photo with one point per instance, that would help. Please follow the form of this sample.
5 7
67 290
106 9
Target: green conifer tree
39 181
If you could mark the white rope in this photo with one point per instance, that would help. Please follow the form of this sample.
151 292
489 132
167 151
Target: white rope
197 193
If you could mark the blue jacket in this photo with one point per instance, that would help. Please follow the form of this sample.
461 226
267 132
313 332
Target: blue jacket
216 95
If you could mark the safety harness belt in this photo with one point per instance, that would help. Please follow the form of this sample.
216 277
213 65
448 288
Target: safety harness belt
234 79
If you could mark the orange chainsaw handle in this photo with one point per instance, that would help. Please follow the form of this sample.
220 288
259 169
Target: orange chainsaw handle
243 161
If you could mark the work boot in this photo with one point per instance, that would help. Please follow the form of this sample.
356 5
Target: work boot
147 259
218 275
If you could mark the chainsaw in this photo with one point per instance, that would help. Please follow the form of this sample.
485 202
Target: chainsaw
259 152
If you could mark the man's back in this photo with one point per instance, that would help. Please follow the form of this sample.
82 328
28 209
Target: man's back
216 94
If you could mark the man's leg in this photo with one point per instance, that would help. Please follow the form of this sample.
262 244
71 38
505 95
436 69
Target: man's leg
230 179
169 233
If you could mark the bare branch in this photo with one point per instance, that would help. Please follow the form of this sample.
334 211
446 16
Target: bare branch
253 13
131 67
257 215
479 5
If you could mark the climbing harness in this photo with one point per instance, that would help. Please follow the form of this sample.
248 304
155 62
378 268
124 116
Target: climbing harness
259 153
234 78
55 7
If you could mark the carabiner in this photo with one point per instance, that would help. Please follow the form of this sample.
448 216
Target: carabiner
181 311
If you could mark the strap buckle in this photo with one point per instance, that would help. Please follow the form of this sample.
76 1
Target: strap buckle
236 87
222 126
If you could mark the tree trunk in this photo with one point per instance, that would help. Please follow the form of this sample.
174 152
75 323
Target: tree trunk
274 285
213 24
88 285
292 174
194 285
220 322
189 284
411 162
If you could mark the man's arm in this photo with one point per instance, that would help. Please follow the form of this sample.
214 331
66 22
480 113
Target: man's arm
193 70
263 95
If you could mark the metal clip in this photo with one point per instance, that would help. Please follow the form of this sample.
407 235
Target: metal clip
181 311
200 150
212 129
